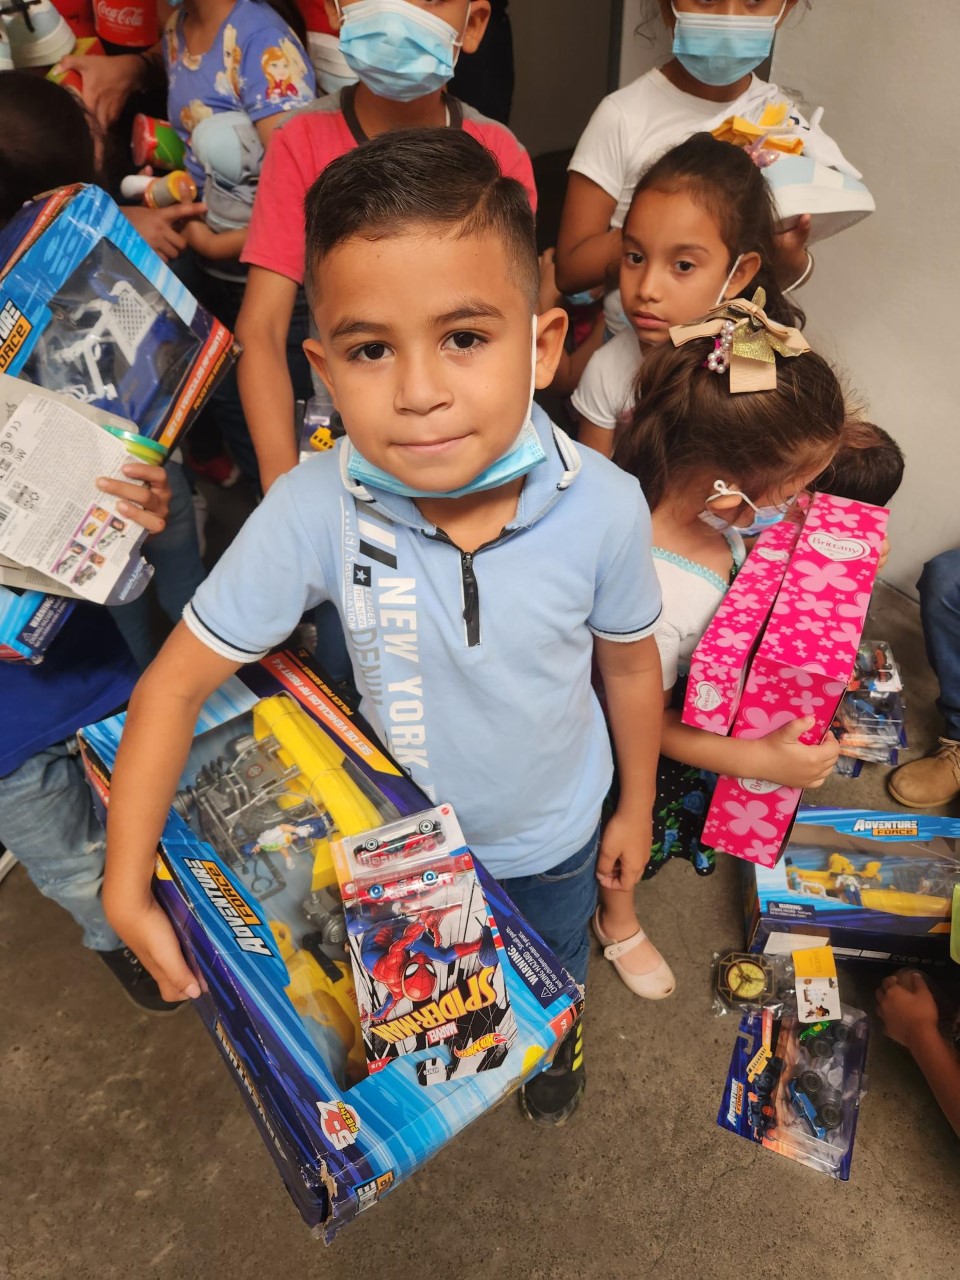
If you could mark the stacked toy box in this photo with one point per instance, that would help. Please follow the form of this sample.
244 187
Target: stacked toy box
370 987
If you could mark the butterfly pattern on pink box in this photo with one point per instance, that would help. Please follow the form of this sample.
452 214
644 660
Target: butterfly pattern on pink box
802 665
719 662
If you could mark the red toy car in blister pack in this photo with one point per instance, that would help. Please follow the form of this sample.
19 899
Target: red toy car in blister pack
426 956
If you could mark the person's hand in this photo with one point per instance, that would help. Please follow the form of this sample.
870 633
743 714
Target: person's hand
624 849
906 1007
550 295
164 229
146 503
782 758
107 82
148 933
884 554
790 251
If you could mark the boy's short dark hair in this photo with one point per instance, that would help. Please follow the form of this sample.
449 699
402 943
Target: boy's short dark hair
45 140
433 177
868 466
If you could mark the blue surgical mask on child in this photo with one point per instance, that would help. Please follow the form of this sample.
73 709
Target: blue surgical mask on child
523 455
399 51
764 517
721 48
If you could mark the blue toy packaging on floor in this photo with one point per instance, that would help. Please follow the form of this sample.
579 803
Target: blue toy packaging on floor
796 1089
368 1014
878 885
89 309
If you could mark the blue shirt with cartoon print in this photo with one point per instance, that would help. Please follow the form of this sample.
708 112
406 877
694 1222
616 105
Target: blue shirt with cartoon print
256 64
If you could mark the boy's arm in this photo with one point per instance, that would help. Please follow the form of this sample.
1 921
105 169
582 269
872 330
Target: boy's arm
153 751
632 681
266 391
910 1016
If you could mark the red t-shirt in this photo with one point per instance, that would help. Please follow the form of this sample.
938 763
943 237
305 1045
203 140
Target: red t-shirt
302 148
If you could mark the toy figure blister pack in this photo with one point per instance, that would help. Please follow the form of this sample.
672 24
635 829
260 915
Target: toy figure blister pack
796 1089
744 982
280 768
877 885
425 961
869 723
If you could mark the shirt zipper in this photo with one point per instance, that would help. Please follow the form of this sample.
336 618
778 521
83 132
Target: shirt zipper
468 582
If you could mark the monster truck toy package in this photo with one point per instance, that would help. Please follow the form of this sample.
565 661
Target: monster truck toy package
88 308
463 1001
796 1088
877 885
413 909
718 666
802 666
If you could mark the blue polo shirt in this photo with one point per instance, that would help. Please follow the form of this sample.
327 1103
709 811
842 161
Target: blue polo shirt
474 669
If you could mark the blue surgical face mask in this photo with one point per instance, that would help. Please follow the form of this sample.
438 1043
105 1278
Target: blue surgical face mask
764 517
582 299
721 48
523 455
399 51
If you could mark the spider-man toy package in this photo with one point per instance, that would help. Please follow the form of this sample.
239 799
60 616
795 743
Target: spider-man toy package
371 989
87 308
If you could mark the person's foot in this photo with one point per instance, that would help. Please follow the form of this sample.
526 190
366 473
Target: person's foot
637 961
554 1095
924 784
138 985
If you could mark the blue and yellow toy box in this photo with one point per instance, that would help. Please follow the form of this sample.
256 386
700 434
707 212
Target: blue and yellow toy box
459 1000
878 885
89 309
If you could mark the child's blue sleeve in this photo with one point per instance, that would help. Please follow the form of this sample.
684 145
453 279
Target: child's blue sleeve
627 602
276 74
269 576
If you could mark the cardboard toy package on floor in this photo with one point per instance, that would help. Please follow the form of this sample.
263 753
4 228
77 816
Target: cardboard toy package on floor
368 1017
89 310
801 667
877 885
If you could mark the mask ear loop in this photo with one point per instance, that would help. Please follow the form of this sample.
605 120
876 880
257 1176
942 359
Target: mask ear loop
726 284
723 491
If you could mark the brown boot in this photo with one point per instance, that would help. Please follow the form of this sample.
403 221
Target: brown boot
927 783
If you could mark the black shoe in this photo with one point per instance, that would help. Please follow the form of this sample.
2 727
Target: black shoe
137 983
554 1095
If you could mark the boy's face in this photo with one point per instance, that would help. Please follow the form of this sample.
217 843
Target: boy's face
426 347
468 20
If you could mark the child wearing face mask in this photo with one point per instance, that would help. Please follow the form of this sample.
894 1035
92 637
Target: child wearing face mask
715 463
717 46
403 53
700 229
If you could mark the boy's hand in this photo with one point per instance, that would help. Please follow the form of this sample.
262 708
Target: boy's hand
906 1007
107 82
148 503
161 228
150 936
624 849
782 758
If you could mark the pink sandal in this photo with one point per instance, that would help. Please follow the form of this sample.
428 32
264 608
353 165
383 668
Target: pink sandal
655 985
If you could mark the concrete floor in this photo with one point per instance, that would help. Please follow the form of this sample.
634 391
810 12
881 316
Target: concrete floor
128 1154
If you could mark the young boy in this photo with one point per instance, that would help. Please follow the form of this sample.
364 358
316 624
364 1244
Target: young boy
399 57
476 559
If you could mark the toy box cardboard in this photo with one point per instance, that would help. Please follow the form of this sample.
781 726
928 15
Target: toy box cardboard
877 885
802 665
718 667
87 308
279 1003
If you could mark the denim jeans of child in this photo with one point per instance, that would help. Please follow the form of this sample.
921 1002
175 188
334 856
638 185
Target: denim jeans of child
939 588
47 821
559 903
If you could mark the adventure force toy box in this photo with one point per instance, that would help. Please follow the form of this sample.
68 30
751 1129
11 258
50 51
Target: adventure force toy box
877 885
371 988
88 309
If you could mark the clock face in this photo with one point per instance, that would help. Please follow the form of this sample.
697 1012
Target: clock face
746 980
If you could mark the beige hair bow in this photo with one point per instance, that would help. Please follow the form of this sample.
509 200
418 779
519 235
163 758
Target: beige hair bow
748 342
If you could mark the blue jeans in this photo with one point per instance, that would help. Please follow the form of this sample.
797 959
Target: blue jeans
47 820
559 904
939 588
178 571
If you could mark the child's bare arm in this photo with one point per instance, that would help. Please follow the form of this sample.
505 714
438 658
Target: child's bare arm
779 757
633 685
263 375
910 1016
218 246
599 438
156 741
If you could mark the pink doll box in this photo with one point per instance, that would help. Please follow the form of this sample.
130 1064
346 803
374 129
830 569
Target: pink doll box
719 663
802 666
